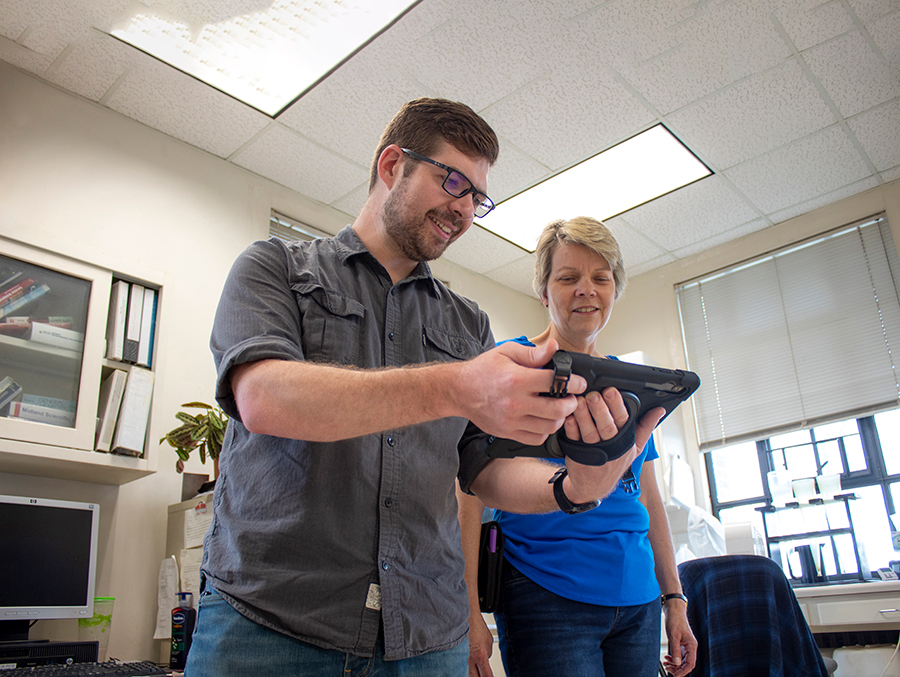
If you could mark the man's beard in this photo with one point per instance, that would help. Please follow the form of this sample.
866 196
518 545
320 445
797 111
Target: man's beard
411 234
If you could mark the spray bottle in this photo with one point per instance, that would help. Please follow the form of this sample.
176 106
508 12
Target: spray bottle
183 617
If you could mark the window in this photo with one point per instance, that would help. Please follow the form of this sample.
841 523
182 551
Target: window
797 338
863 450
287 229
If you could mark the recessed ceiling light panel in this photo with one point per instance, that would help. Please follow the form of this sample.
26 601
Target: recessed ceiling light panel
265 58
629 174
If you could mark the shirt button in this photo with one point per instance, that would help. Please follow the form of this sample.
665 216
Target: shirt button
388 503
390 441
391 336
385 566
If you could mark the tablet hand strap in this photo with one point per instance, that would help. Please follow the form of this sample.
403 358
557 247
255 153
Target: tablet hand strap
606 450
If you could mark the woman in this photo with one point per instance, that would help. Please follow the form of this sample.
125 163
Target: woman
581 593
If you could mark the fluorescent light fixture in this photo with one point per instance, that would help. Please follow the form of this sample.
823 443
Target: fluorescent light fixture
629 174
266 58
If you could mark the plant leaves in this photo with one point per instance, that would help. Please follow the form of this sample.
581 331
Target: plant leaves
197 405
200 431
184 417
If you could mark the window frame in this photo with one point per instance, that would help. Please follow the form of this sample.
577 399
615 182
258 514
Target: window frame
875 474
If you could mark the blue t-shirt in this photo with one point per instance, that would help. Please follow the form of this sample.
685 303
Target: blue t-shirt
601 557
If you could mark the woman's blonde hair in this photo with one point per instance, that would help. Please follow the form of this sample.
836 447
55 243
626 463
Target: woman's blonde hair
582 230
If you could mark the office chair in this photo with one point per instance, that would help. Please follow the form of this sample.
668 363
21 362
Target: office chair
747 620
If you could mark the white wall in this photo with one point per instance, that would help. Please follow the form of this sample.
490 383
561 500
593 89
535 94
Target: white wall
79 179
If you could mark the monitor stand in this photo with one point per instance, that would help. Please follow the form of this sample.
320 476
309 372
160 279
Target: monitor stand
14 631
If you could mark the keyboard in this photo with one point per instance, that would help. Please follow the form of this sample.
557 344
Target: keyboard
105 669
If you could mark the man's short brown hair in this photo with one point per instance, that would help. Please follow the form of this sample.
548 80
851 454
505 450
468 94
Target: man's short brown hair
422 124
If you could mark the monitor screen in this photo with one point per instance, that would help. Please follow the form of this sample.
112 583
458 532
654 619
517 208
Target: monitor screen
48 562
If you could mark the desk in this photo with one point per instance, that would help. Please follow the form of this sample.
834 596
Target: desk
849 607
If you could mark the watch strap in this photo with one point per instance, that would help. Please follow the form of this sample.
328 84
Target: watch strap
563 501
673 595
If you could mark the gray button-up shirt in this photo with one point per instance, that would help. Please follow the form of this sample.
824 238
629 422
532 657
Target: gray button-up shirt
312 539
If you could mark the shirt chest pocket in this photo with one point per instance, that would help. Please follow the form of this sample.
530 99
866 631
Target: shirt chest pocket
330 324
444 346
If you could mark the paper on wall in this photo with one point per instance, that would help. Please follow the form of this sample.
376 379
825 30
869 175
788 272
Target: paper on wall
197 521
190 572
166 598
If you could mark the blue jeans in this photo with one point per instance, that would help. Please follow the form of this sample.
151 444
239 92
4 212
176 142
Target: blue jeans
227 644
544 634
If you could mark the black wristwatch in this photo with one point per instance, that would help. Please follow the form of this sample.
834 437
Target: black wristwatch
673 595
563 501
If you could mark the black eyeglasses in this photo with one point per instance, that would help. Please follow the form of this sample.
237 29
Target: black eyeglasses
457 185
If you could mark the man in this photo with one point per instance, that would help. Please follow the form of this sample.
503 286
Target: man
350 374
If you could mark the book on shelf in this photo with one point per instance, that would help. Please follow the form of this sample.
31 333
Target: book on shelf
9 390
148 324
115 326
52 402
57 336
23 300
38 414
15 291
9 277
133 324
131 427
15 323
111 391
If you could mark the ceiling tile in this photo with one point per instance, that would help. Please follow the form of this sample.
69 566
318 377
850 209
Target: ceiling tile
540 119
823 200
886 36
14 18
45 28
721 238
513 172
285 157
352 203
691 214
94 63
628 33
873 127
869 10
367 95
487 36
728 43
803 170
24 58
481 251
891 174
635 247
811 22
517 275
665 259
854 76
178 105
753 116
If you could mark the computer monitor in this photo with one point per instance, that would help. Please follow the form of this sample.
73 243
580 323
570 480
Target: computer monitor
48 561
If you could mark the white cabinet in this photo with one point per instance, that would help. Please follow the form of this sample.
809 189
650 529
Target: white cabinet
870 605
60 373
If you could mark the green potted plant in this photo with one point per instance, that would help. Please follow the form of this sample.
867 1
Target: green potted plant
205 431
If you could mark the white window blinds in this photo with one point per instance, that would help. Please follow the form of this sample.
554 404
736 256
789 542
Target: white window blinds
797 337
288 229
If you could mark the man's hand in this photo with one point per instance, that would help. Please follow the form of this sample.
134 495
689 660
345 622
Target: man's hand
481 645
499 391
599 417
